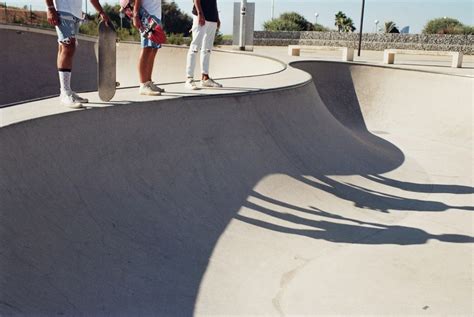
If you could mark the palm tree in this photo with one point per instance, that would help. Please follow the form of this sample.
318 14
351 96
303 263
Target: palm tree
348 26
391 27
343 23
339 22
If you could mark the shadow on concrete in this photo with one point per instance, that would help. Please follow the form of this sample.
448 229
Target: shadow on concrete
116 211
421 188
354 232
376 200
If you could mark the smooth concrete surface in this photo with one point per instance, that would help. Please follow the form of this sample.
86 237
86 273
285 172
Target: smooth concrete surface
286 77
329 188
29 64
28 68
429 63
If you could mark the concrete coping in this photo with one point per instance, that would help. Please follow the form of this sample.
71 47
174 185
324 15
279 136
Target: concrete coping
389 55
347 52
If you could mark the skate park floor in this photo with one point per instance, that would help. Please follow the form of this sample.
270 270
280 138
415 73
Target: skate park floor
311 188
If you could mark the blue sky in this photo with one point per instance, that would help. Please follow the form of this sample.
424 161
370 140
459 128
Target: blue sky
414 13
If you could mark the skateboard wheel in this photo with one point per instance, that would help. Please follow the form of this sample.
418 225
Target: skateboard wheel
117 84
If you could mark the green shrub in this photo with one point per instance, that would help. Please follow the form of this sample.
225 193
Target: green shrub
280 25
178 39
320 28
288 21
131 35
18 20
444 26
227 37
174 20
46 25
90 27
468 29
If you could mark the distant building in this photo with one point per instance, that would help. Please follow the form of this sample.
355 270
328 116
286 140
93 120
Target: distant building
405 30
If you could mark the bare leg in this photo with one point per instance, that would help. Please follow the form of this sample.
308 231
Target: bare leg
145 63
66 54
151 62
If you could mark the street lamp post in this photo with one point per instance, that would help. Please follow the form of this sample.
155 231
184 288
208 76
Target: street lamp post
122 15
376 26
243 11
316 15
273 9
361 26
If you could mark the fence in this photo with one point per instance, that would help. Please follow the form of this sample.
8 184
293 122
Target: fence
23 14
370 41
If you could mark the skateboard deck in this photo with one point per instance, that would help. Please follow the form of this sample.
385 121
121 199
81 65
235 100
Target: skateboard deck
150 28
107 61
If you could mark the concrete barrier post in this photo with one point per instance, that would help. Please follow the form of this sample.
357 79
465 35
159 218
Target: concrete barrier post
293 50
347 54
457 60
388 57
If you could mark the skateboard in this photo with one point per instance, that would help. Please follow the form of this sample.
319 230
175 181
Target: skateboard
150 28
107 63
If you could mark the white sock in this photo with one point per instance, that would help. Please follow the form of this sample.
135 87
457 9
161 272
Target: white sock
65 80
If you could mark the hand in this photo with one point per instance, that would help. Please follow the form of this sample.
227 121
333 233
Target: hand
137 22
104 17
218 23
201 19
52 16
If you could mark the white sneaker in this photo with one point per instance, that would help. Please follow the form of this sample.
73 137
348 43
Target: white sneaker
210 83
70 101
148 89
156 88
189 84
79 98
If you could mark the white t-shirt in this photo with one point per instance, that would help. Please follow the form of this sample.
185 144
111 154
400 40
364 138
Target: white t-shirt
70 6
153 7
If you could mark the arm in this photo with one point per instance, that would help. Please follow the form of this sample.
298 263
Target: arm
99 9
201 18
52 14
136 17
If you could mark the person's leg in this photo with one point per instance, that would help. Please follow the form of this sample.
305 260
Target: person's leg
197 32
145 64
146 61
151 61
145 71
208 44
66 50
67 30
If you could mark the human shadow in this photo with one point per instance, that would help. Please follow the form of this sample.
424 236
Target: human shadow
421 188
117 211
357 232
371 199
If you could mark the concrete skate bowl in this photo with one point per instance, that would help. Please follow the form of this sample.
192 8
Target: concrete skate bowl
28 65
138 210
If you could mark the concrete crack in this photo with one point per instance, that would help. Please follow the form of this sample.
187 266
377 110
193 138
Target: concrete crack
285 280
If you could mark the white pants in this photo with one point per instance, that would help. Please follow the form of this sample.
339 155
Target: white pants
203 39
